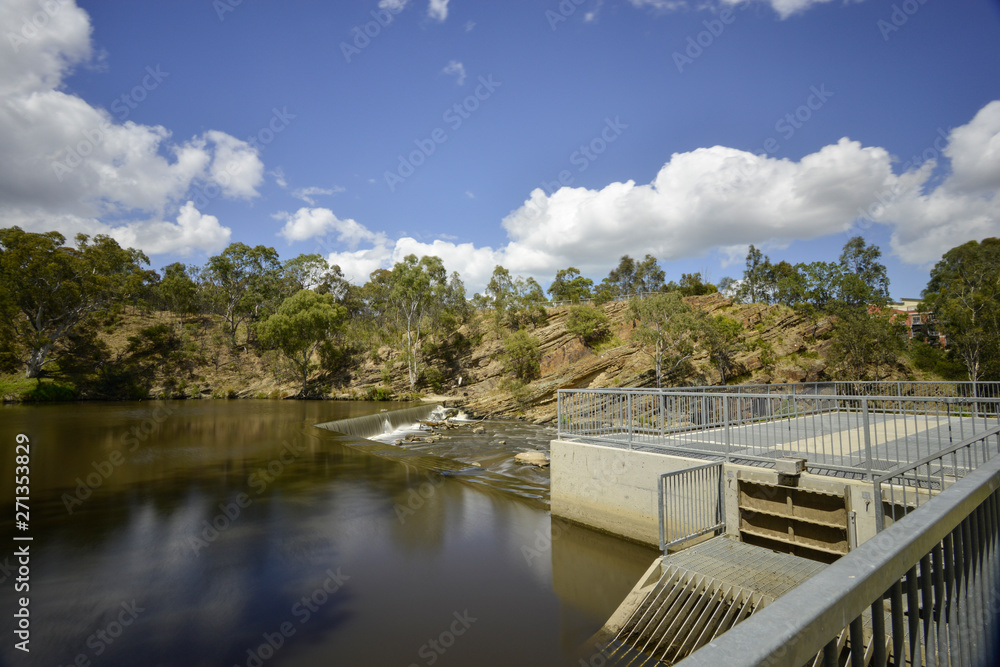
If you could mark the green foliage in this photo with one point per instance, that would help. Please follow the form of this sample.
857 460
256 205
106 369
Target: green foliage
964 295
722 337
244 284
521 356
867 346
304 321
418 289
589 323
692 284
857 280
433 378
932 359
177 290
47 290
378 394
570 286
49 391
514 302
631 277
670 326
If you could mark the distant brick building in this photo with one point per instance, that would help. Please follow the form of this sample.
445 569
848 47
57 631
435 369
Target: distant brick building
918 322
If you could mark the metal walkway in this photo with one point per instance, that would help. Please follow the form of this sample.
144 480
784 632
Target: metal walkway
689 598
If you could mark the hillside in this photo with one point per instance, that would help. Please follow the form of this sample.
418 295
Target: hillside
193 359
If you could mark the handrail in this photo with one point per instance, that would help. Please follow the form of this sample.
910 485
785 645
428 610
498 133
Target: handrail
796 627
687 515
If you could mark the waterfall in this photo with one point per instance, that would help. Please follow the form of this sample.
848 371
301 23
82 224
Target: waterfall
379 423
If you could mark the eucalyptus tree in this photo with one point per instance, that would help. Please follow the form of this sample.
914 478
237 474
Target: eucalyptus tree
303 322
671 327
417 290
964 295
246 283
569 285
49 289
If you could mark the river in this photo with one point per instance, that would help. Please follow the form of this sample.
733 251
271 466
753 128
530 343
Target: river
226 533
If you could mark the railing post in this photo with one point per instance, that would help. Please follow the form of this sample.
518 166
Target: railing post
725 417
879 509
659 495
628 413
868 438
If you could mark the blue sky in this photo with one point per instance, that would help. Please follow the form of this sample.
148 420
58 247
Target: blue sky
536 135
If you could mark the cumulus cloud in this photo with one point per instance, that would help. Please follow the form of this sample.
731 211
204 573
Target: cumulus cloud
438 9
76 168
456 69
964 206
708 195
311 223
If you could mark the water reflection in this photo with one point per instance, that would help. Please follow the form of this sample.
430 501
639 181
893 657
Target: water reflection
237 534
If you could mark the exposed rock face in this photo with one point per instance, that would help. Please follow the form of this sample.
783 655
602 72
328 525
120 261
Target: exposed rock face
778 345
798 351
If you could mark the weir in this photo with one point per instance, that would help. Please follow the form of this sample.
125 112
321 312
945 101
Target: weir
361 428
378 424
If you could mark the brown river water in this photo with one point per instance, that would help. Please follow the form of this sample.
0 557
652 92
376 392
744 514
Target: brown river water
236 533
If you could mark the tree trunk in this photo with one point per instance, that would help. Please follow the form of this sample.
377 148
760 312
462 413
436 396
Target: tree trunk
36 360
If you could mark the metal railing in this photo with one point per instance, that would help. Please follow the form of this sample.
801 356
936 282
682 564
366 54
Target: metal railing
904 489
837 433
857 388
926 590
690 503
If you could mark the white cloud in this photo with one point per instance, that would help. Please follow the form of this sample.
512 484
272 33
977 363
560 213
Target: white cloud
708 195
310 223
394 6
192 231
966 204
279 177
438 9
307 194
74 167
456 69
469 25
784 8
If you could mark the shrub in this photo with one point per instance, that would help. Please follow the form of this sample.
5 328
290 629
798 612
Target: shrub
521 356
589 323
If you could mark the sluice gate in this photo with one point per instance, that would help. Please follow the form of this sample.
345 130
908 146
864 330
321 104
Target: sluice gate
689 598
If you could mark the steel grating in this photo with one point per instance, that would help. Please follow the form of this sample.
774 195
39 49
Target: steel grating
702 592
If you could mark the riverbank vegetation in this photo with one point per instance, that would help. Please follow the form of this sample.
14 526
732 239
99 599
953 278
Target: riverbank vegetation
91 320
